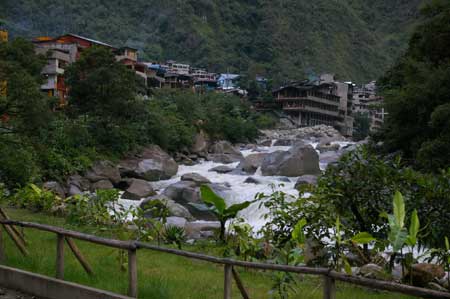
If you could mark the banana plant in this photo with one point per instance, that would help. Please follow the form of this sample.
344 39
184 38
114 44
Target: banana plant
398 235
360 238
216 204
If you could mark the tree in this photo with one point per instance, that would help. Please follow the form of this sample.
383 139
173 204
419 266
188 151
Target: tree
361 128
417 93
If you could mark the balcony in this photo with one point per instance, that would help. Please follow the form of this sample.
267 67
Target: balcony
310 109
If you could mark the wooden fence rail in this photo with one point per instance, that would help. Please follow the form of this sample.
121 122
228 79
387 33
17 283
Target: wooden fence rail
329 276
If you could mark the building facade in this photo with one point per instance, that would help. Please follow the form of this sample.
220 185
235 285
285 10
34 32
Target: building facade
367 102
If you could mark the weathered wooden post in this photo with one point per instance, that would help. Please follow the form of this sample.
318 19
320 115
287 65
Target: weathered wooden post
227 281
329 288
132 273
240 285
60 256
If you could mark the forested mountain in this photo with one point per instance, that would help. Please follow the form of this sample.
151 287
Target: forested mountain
284 39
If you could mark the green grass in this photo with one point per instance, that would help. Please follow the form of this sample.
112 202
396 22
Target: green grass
160 275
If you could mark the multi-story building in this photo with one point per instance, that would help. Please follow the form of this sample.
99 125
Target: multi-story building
203 80
313 103
367 102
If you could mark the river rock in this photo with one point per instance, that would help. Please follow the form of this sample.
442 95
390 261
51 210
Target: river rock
201 229
330 157
152 164
175 209
77 185
55 187
183 192
424 273
224 152
102 185
195 177
305 180
266 142
252 180
251 162
103 170
298 161
372 271
436 287
138 189
221 169
176 221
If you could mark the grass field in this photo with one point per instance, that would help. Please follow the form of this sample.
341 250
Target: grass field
160 275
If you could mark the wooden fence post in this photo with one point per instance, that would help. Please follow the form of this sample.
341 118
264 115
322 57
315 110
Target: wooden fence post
228 272
240 285
77 253
60 256
132 273
329 288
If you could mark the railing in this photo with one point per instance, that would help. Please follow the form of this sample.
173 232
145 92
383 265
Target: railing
329 276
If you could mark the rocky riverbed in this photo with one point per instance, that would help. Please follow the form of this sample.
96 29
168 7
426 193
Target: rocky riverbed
281 159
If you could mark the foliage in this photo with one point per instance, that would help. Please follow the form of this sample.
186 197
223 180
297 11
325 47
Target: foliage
174 235
417 96
35 199
218 206
284 40
242 241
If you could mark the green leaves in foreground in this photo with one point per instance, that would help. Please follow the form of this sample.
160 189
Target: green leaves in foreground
217 205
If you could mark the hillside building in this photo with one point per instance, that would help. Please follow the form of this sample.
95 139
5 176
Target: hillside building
366 101
320 102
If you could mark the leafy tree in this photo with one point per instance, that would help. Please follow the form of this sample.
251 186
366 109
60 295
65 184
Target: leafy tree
417 94
361 126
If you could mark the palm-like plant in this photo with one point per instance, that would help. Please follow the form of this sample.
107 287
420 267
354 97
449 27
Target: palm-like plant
217 205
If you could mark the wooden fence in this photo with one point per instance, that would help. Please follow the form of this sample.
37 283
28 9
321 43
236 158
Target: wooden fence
329 276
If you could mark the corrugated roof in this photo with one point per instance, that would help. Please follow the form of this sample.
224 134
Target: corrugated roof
91 40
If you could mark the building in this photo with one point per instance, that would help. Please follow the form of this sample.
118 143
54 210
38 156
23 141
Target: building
228 81
366 101
319 102
203 80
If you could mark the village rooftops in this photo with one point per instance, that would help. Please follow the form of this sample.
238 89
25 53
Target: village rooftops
73 38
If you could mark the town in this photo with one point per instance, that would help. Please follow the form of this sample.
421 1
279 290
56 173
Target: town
321 100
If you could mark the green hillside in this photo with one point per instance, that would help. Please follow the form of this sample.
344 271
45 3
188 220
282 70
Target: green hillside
284 39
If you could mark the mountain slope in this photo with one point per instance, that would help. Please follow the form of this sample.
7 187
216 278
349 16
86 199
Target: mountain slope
284 39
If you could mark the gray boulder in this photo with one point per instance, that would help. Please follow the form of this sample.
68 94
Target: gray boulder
283 142
176 221
77 184
138 189
251 180
266 142
183 192
175 209
372 271
103 170
196 178
55 187
306 180
102 185
201 230
152 164
224 152
298 161
251 162
221 169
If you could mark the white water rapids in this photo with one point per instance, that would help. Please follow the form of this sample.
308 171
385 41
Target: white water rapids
240 191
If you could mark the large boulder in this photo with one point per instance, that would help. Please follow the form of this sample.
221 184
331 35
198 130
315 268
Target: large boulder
55 187
424 273
103 170
299 160
251 162
252 180
224 152
187 193
102 185
201 230
138 189
152 164
372 271
195 177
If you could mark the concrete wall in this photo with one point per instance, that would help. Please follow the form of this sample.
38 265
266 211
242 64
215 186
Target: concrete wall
51 288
